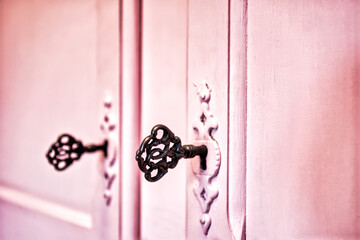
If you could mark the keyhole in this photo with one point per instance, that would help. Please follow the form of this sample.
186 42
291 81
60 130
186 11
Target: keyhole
203 163
203 194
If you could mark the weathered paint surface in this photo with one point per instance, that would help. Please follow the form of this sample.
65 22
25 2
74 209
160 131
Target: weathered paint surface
164 30
303 120
302 71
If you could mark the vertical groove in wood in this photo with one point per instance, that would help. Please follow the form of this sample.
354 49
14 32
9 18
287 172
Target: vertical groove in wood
131 118
237 108
120 112
187 125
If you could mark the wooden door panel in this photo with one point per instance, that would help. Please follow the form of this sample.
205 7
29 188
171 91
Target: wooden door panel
208 61
164 31
24 223
237 117
217 55
38 98
182 46
55 72
303 114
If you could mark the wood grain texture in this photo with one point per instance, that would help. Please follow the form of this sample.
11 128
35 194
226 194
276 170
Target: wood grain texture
208 61
237 117
130 118
303 120
164 32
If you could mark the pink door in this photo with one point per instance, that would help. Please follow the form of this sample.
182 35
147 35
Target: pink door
185 48
270 87
59 62
283 78
303 120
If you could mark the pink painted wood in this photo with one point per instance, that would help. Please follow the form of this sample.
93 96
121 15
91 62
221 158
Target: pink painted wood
58 61
237 117
163 203
131 118
208 60
300 61
303 120
168 76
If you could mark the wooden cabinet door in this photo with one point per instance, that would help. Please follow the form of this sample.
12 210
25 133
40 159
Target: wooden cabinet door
284 80
164 34
186 45
59 60
303 120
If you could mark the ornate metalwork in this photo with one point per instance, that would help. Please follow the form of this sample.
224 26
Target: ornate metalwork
204 190
67 149
110 162
162 150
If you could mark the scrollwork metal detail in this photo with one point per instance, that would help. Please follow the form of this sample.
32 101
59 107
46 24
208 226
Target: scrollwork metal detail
110 163
67 149
162 150
203 189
